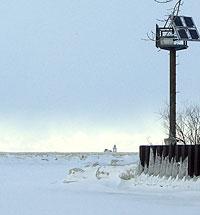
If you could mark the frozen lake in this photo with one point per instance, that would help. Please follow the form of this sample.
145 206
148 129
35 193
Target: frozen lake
40 184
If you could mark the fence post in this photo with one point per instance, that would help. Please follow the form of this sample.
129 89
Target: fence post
191 149
184 152
147 155
171 152
142 155
197 160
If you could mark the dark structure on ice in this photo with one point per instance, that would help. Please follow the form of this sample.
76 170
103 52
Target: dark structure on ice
172 159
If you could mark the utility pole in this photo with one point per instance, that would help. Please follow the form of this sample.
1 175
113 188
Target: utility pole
172 117
173 37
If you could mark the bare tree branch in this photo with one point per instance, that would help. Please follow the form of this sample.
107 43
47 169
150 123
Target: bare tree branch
187 123
164 1
174 12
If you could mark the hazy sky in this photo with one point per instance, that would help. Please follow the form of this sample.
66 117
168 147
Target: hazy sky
76 76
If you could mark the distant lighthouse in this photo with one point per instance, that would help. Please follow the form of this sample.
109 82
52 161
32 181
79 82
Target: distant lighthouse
114 149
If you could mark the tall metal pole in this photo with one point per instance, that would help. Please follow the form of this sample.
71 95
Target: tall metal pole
172 121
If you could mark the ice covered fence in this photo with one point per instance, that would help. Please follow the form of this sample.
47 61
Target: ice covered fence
170 160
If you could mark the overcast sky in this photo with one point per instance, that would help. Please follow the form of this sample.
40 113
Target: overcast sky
76 76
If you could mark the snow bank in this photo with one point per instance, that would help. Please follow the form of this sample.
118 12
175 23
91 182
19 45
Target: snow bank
124 173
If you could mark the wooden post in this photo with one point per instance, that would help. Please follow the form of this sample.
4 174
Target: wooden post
142 155
172 120
191 149
197 160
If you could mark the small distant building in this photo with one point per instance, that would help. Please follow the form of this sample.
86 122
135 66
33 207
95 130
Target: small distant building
114 149
107 150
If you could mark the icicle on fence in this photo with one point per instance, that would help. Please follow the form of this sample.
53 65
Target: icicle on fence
170 161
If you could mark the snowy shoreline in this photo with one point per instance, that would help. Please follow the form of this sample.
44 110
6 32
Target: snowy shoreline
85 183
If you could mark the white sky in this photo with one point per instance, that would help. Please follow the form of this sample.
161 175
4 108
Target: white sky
76 76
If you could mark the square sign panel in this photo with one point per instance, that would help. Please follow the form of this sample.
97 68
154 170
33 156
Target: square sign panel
177 21
182 34
194 34
189 22
185 28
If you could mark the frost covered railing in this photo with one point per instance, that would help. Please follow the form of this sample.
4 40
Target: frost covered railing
170 160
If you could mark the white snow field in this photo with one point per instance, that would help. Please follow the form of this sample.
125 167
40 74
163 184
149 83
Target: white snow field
89 183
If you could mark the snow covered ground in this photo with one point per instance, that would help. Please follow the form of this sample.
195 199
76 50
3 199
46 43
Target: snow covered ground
89 183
